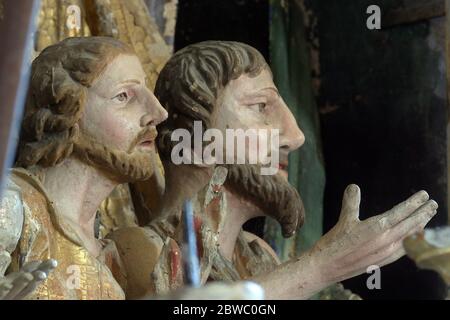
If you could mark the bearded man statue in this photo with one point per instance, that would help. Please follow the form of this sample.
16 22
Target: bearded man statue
89 125
223 86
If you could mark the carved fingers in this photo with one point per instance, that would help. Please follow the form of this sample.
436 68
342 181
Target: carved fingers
391 228
353 245
48 266
20 284
413 223
14 283
350 205
403 210
409 216
394 226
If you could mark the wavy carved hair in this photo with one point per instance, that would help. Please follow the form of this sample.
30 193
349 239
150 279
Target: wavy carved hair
60 78
189 87
190 83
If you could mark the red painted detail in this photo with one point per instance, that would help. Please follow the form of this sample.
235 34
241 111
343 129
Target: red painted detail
175 261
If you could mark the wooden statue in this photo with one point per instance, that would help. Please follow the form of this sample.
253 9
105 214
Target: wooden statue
89 125
228 85
134 23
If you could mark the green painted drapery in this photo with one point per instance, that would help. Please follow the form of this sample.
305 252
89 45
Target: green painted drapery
290 63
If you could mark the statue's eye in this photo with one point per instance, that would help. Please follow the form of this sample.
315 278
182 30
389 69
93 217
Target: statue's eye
121 97
262 107
258 107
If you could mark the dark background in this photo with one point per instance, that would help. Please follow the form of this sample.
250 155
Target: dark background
388 132
383 110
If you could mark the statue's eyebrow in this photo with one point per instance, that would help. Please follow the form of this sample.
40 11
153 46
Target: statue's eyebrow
272 89
130 81
121 83
259 92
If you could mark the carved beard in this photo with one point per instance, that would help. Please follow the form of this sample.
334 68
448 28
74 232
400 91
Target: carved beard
119 165
273 194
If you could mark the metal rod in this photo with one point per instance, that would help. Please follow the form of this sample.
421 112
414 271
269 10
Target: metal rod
190 253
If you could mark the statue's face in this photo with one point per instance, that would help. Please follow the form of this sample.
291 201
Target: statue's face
254 103
120 108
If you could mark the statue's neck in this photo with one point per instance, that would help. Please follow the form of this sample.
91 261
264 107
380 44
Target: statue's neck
182 182
239 211
77 190
185 182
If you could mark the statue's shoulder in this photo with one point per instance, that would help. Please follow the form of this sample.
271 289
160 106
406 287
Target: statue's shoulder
11 213
30 189
11 222
34 198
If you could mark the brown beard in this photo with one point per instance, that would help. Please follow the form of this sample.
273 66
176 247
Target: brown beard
273 194
119 165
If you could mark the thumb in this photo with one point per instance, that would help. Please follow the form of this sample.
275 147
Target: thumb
350 204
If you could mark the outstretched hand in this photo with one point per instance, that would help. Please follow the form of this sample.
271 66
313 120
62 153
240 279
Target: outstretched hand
18 285
353 245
